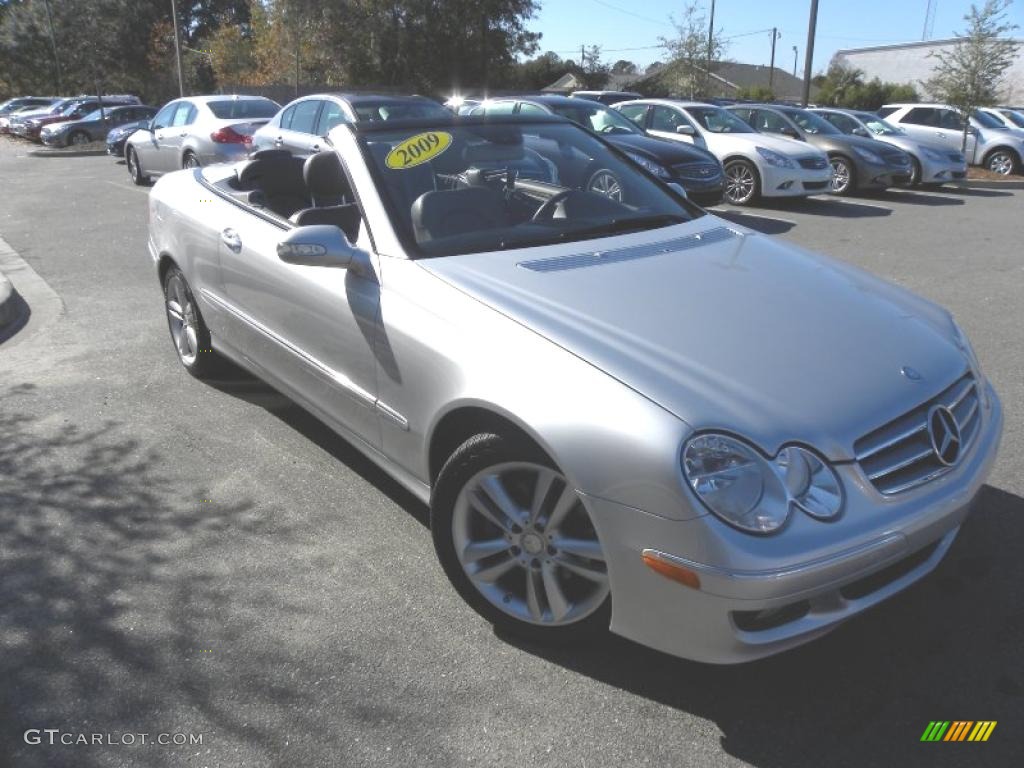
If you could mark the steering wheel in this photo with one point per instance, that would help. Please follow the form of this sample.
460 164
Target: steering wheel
547 208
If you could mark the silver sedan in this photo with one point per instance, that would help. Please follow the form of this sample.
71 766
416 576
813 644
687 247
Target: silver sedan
195 131
623 413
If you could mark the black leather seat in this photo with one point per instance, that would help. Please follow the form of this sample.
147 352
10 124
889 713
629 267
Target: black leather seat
278 176
438 215
331 195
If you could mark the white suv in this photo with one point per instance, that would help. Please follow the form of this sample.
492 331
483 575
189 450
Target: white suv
989 142
755 164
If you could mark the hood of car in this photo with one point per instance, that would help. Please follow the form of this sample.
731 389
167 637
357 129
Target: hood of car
728 329
664 151
748 141
841 141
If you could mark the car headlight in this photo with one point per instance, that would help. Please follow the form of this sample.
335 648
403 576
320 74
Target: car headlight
932 154
650 165
774 158
755 494
868 155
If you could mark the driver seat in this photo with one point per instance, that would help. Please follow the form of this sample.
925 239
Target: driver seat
441 214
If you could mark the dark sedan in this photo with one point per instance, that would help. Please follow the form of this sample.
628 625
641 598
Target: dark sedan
857 163
76 110
694 169
93 127
118 136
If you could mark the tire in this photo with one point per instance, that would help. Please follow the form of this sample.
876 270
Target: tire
1001 161
78 138
742 182
915 172
844 176
546 581
189 160
131 158
189 334
606 183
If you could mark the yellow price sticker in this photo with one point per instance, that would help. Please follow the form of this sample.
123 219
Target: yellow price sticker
418 150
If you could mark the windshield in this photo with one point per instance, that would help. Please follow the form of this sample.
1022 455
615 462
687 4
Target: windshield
483 186
986 120
811 123
240 109
877 125
717 120
398 110
595 116
96 114
1014 117
70 109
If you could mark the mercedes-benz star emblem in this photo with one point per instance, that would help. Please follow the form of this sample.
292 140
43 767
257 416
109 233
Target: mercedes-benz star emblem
945 434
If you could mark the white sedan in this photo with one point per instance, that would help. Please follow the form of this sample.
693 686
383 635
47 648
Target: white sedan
756 165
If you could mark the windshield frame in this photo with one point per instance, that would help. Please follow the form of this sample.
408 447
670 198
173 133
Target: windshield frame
988 121
792 113
692 113
866 118
593 107
404 234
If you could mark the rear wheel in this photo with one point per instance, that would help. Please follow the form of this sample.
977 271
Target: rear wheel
134 169
844 180
189 333
189 160
1001 161
516 541
741 182
78 138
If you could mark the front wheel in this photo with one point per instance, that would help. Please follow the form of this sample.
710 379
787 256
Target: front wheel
741 182
915 172
78 138
843 176
189 161
189 333
516 541
1001 161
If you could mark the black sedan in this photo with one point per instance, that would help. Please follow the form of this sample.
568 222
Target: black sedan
694 169
118 136
95 126
857 163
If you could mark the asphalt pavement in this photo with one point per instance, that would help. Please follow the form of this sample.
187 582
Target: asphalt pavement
181 558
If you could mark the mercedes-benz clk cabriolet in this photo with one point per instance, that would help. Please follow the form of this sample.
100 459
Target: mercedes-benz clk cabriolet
623 411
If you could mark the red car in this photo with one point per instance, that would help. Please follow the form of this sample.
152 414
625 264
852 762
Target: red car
77 109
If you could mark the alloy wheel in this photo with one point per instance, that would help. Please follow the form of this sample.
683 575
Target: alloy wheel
740 183
1001 163
181 316
79 138
605 183
190 161
525 540
841 176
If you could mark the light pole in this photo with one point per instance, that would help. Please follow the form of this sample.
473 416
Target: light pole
177 47
711 43
53 42
812 23
771 69
794 60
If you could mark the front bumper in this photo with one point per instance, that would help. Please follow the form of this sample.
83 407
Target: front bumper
875 176
762 595
793 182
54 140
934 172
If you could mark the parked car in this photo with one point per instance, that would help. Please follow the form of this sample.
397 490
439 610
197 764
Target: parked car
1015 116
694 169
118 136
21 104
932 164
462 105
755 164
302 125
605 97
198 130
16 110
625 413
18 118
857 163
989 143
1003 119
32 127
93 127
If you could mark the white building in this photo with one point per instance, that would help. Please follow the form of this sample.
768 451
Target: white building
909 63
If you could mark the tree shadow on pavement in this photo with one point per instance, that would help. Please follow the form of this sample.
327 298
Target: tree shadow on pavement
948 648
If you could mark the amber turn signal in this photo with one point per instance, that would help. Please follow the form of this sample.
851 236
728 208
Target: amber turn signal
659 564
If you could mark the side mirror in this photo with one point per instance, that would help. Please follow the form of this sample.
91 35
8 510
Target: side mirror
685 130
319 245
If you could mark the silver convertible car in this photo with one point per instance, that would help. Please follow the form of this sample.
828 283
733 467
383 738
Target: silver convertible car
623 413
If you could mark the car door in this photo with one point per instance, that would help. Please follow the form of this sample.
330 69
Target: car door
665 123
922 124
310 329
147 147
299 136
171 138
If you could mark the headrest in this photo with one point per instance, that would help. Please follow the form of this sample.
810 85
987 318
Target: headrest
275 171
324 176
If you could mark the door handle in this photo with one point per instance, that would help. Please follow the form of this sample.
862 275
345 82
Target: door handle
183 134
316 147
231 239
278 141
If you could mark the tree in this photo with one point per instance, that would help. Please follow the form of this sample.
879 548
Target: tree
758 93
969 74
840 84
688 52
592 70
624 67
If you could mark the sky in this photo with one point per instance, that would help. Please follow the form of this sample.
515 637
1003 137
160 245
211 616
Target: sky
627 24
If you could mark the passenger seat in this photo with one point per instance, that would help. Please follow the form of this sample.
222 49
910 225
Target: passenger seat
330 194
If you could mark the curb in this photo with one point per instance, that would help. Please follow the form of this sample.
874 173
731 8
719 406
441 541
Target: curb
10 304
63 153
27 302
991 184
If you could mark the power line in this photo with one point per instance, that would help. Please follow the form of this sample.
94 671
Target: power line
629 13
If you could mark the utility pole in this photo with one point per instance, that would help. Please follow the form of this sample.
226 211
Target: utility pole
795 54
771 69
809 55
53 42
583 66
711 43
177 47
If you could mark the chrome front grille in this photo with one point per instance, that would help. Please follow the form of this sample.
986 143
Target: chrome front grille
896 158
698 171
813 163
899 456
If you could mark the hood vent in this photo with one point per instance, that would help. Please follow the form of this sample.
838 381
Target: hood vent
597 258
